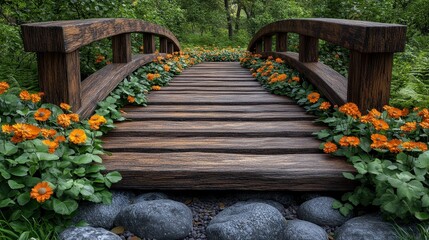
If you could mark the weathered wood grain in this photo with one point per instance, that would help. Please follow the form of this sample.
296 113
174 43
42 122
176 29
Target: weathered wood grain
281 42
215 171
233 99
121 48
218 108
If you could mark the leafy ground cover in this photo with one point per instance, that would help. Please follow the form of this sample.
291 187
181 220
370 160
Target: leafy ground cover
389 149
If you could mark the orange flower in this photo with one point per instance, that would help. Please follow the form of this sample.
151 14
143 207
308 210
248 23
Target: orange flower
378 140
166 68
42 114
329 147
25 95
313 97
325 106
374 113
414 146
422 146
366 118
393 145
41 192
17 139
64 120
350 109
95 121
25 131
150 76
131 99
46 133
35 98
74 117
6 128
156 88
409 126
65 106
52 145
77 136
295 79
59 139
393 112
405 112
346 141
4 86
380 124
425 123
279 60
424 113
99 59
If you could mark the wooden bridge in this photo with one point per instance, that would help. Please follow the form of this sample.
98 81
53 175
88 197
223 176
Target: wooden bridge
215 127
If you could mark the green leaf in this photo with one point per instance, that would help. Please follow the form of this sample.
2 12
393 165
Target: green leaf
404 192
425 200
66 207
24 236
114 177
7 148
348 175
82 159
422 216
6 203
4 173
46 156
19 171
336 204
423 160
23 198
360 167
87 190
365 144
345 211
14 185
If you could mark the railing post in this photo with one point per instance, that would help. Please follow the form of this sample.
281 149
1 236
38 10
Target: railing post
163 45
148 43
268 43
170 48
281 42
258 48
121 47
308 49
369 79
59 77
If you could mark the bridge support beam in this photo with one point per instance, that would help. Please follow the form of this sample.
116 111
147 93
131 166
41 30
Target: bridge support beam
268 43
163 45
121 48
369 79
148 43
281 42
60 69
308 49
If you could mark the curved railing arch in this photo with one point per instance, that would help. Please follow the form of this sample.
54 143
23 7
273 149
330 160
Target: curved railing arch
57 46
371 48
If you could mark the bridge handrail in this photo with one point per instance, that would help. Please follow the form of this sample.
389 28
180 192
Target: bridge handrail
371 46
57 46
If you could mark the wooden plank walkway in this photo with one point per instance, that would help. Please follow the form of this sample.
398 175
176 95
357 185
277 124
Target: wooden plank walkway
216 128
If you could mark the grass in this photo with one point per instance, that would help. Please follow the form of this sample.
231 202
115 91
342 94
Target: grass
420 232
33 229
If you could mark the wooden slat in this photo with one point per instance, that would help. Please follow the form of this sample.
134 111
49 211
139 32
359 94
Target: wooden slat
215 171
218 108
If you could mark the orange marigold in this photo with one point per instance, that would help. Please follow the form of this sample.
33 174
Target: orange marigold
295 79
6 128
166 68
52 145
64 120
405 112
25 131
74 117
393 145
378 140
414 146
350 109
380 124
425 123
156 88
25 95
313 97
343 142
325 106
393 112
409 126
35 98
150 76
41 192
95 121
60 138
346 141
47 133
65 106
131 99
279 60
42 114
99 59
374 113
329 147
366 118
4 86
77 136
424 113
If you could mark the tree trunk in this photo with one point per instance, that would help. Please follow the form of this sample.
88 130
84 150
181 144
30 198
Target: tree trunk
228 19
237 17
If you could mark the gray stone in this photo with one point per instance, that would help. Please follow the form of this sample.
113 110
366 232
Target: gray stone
303 230
88 233
160 219
149 197
250 221
319 211
367 227
272 203
102 215
284 198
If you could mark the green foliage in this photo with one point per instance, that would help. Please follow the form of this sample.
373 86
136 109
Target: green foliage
40 229
421 232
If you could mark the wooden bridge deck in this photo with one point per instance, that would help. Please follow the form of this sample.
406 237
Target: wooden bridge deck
216 128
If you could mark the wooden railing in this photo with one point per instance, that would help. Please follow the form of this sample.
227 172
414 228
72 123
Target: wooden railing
371 48
57 46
